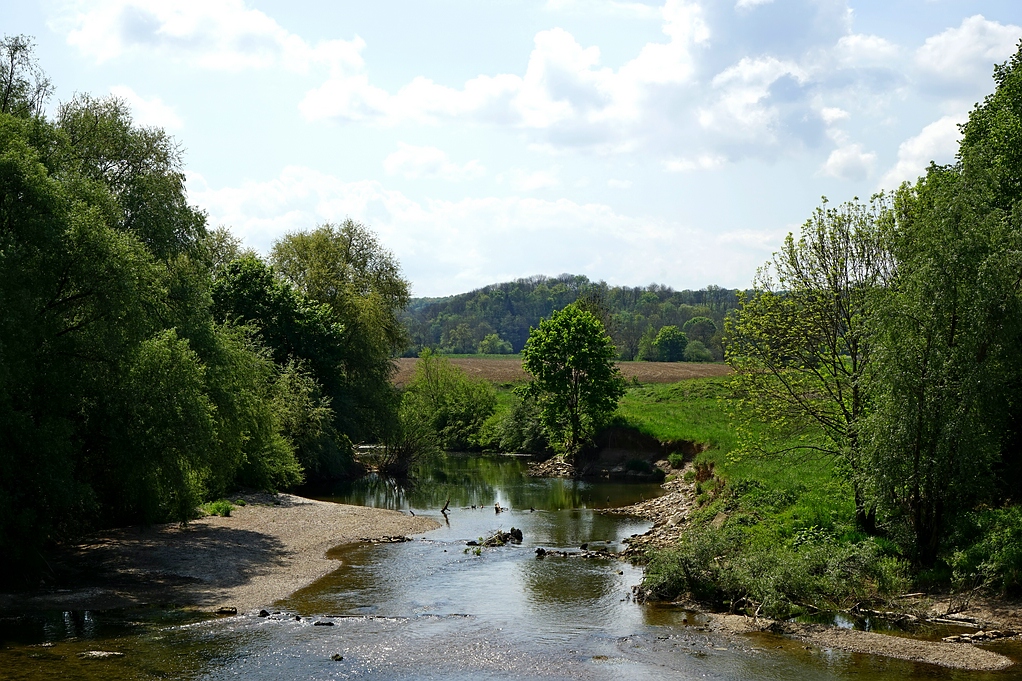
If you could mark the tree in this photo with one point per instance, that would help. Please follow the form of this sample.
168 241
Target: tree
701 329
345 268
799 342
445 397
24 87
493 344
945 434
697 352
670 343
574 378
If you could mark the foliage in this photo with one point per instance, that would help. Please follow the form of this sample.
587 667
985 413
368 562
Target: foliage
670 344
458 324
305 343
220 507
695 351
742 567
24 87
454 405
493 344
345 268
135 377
702 329
574 379
991 550
945 432
798 343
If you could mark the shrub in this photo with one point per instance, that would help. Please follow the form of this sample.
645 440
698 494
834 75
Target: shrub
696 351
221 507
994 556
676 459
449 401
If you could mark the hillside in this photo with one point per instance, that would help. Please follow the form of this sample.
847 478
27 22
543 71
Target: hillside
496 319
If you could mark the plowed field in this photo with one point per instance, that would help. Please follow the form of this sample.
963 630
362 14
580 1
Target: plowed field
510 370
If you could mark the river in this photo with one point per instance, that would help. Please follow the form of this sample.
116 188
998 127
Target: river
436 608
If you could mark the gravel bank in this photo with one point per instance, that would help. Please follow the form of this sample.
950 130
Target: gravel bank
266 550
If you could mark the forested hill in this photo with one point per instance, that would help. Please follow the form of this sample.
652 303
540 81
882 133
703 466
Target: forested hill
497 318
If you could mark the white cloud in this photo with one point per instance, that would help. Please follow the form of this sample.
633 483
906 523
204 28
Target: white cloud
430 163
858 50
833 114
937 142
213 34
450 246
742 110
849 162
564 92
702 162
619 184
635 10
963 57
150 111
749 4
530 181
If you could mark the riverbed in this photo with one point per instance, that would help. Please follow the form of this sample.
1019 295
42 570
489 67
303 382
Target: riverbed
437 608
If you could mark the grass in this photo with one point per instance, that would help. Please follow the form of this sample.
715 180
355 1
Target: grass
221 507
774 533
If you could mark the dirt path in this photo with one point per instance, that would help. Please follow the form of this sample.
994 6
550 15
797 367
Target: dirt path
263 552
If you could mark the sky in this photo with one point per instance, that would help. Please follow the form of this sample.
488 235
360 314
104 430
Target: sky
487 140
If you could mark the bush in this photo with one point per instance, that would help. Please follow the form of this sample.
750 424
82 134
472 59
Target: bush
521 429
221 507
739 567
696 352
994 556
493 344
452 404
676 459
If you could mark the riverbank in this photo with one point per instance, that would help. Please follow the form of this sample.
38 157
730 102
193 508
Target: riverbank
670 517
266 550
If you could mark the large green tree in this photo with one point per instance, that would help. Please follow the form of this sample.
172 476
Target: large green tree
345 268
945 433
799 341
574 378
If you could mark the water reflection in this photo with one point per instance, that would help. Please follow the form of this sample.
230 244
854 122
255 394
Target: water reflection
481 481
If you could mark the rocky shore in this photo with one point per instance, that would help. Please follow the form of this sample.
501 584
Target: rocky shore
266 550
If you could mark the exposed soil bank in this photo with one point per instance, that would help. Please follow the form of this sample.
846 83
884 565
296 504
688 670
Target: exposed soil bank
264 551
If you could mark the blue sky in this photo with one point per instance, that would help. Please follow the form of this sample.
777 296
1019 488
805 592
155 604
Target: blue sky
628 141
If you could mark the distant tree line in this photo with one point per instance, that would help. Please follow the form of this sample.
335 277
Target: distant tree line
652 322
146 362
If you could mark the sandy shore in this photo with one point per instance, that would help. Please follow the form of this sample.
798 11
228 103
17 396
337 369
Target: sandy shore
264 551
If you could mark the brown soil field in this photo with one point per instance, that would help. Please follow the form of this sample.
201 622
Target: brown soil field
510 370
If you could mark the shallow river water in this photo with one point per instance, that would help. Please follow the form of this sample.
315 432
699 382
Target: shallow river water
434 608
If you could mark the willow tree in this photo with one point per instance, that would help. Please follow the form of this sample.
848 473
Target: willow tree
799 342
345 268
